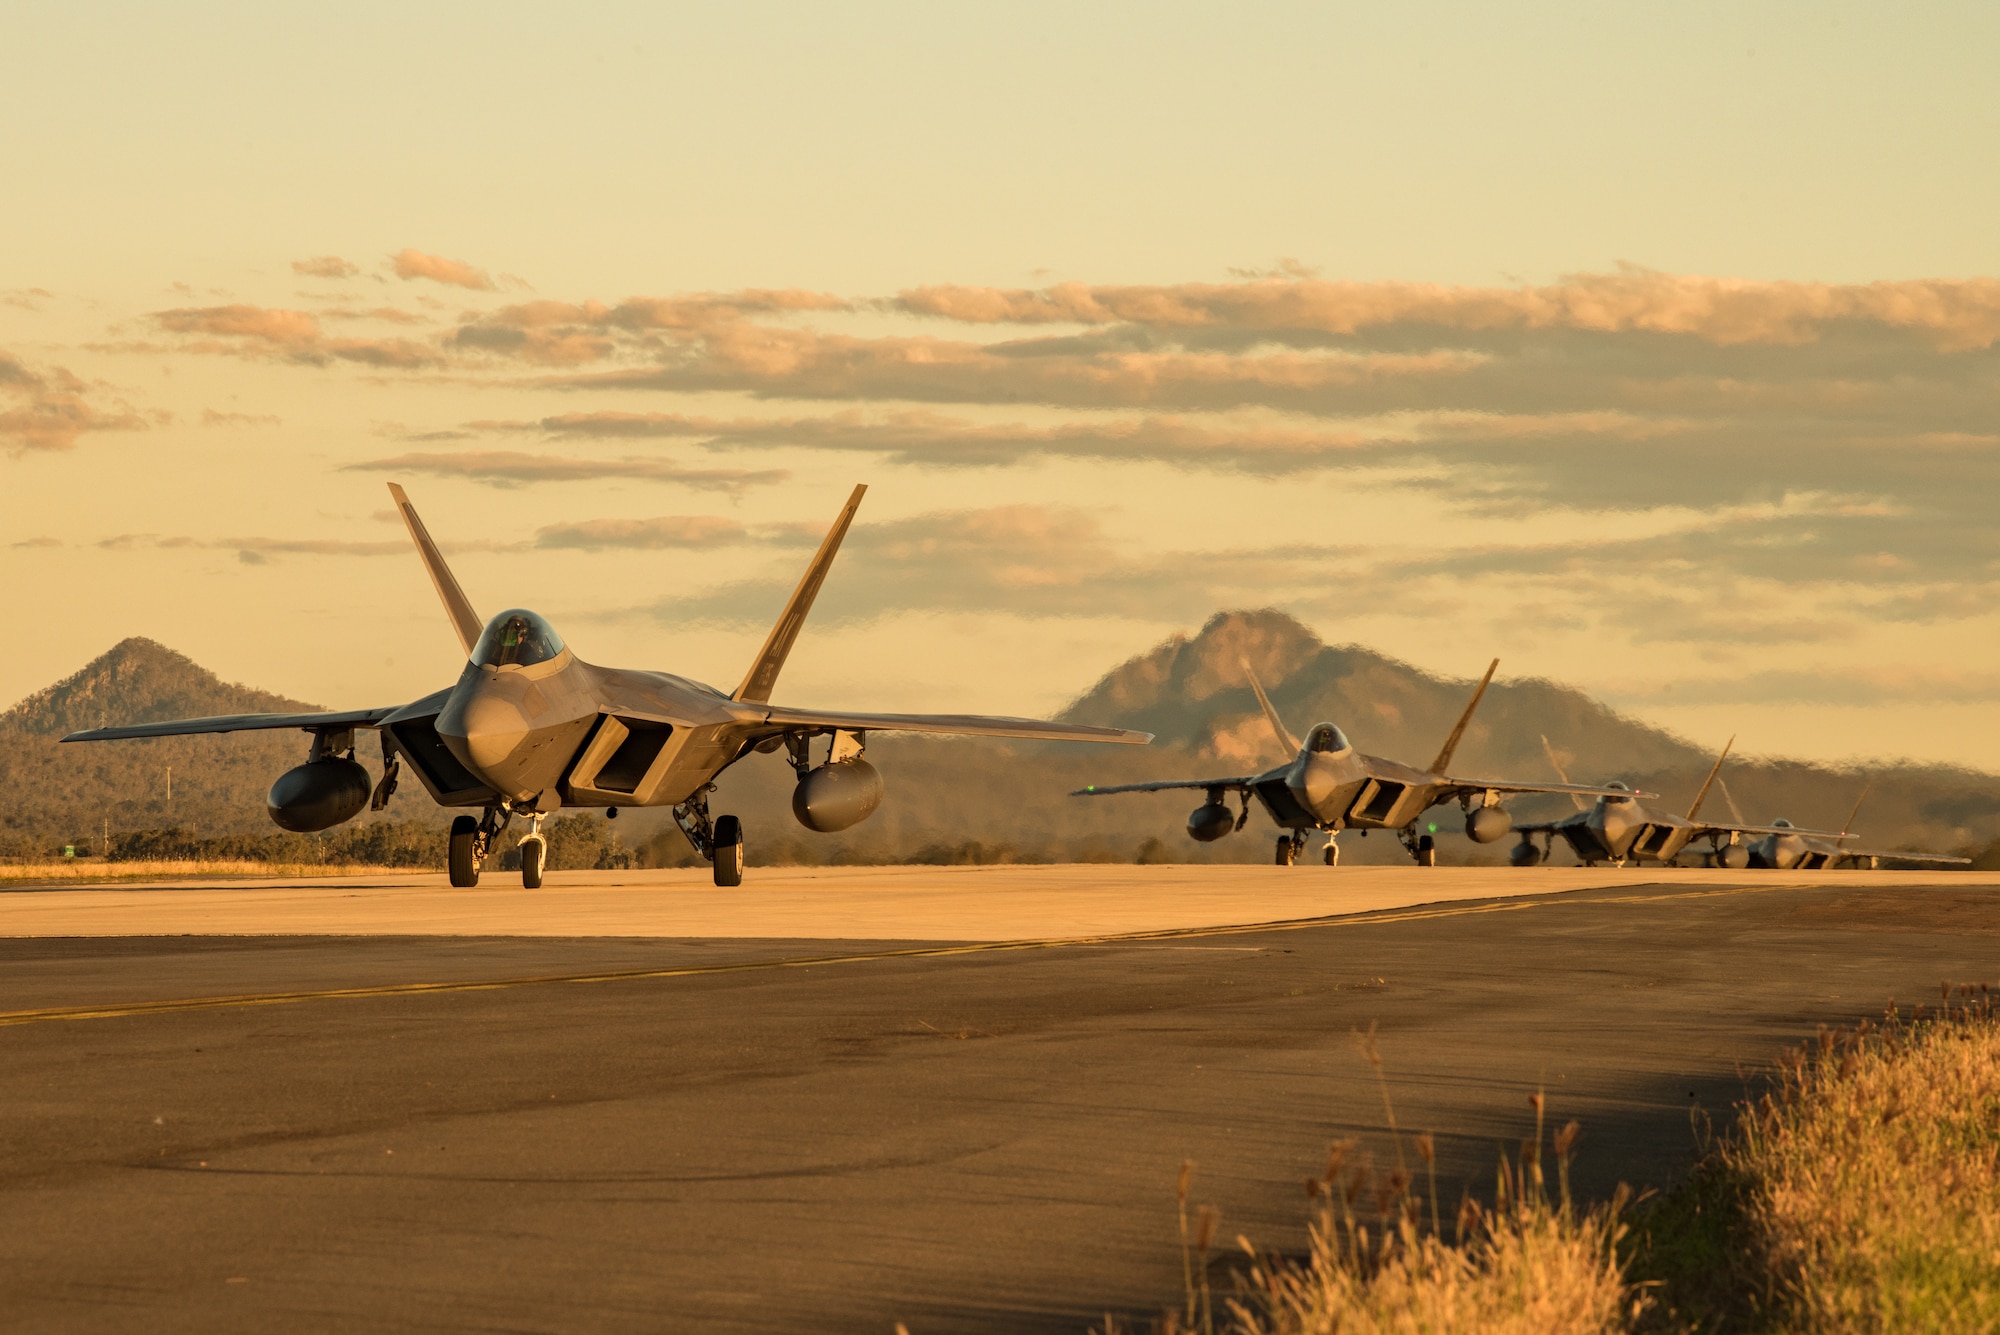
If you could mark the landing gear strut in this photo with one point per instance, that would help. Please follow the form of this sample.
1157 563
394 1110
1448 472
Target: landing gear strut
720 840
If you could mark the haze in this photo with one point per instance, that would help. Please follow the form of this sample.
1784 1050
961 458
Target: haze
1651 351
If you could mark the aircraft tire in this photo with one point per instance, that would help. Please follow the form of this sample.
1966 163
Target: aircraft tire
1287 851
533 851
728 851
464 860
1332 853
1427 851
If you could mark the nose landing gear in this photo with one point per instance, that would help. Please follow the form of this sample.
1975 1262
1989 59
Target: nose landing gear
534 853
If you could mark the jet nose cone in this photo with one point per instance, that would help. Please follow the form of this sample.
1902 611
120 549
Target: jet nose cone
484 731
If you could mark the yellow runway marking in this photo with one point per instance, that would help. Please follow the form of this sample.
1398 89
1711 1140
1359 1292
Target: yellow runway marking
115 1010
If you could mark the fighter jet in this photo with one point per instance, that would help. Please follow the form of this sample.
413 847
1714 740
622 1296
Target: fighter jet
1787 848
529 727
1619 828
1332 787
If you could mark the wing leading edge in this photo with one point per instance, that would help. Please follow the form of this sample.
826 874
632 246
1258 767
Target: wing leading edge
190 727
966 725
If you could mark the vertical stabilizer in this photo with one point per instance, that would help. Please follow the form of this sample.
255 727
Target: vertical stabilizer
463 619
1709 782
1866 789
1451 742
1575 799
763 674
1735 812
1285 738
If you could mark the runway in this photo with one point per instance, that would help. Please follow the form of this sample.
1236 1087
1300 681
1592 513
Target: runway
657 1124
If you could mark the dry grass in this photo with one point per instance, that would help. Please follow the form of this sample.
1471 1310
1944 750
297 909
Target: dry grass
1378 1261
73 869
1871 1176
1860 1196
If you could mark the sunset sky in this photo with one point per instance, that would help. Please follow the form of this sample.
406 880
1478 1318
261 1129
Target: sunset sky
1652 349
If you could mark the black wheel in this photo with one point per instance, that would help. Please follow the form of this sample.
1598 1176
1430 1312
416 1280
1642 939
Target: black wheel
1427 851
728 851
1287 850
532 853
464 860
1332 853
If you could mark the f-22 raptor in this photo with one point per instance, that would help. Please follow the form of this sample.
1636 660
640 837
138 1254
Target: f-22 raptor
1330 786
1788 848
530 727
1619 828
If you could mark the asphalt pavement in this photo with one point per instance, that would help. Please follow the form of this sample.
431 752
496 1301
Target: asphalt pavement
699 1133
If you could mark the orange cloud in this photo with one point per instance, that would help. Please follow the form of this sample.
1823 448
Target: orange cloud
325 266
294 335
48 410
1954 313
642 534
514 468
413 264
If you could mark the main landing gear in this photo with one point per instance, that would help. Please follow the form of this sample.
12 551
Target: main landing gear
1423 847
719 840
472 842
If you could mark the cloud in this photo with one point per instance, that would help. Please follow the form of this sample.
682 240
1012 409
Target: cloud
1251 444
49 409
325 266
262 331
1857 688
666 531
26 298
414 264
210 417
1953 313
558 333
511 468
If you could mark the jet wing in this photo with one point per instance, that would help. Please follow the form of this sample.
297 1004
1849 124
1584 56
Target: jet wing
1904 857
1494 786
187 727
1241 783
966 725
1707 827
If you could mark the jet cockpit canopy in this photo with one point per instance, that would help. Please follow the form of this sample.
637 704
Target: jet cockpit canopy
1326 737
516 637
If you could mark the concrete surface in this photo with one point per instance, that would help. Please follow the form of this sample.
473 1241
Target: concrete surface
832 903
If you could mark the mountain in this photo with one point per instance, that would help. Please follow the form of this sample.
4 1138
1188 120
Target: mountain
980 799
74 794
137 681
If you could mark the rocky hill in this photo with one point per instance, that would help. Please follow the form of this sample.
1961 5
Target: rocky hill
977 799
73 794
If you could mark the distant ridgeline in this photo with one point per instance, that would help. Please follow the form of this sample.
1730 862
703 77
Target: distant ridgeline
961 799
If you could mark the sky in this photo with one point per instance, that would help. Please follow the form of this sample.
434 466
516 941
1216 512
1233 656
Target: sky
1650 348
